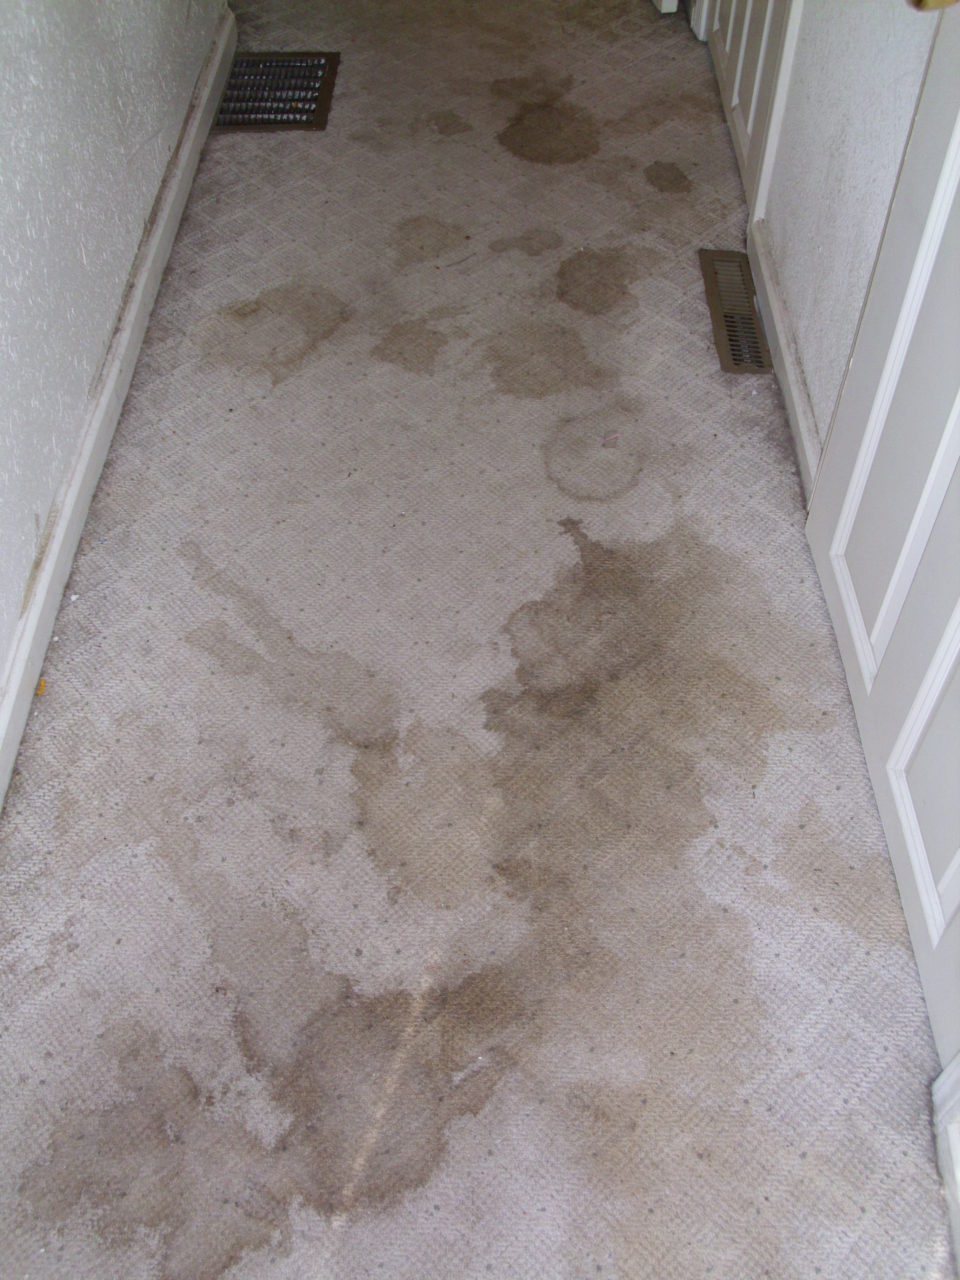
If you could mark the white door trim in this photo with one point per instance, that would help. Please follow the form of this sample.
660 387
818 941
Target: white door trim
939 899
867 654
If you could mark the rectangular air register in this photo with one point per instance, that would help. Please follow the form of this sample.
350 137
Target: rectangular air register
278 91
731 297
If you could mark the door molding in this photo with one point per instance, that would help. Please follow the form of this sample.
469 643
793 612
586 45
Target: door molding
869 651
946 1122
939 899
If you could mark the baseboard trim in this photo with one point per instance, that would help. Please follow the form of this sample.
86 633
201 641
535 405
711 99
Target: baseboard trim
781 340
946 1120
106 401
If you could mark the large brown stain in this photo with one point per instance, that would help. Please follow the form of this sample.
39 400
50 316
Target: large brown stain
413 345
274 333
437 792
582 816
369 1090
546 129
667 176
423 238
596 281
539 358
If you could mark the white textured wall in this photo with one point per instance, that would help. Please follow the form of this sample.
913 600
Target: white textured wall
93 95
856 75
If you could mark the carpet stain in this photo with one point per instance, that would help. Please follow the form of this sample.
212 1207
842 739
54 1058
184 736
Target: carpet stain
595 456
413 345
538 358
448 123
700 109
349 695
545 129
533 243
596 281
581 816
438 791
551 133
667 176
274 333
424 239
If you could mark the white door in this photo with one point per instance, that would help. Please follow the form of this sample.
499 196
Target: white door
748 42
884 527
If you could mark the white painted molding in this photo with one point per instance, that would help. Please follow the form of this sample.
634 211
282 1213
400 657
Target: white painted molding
771 138
918 535
106 401
922 269
701 18
783 350
666 6
741 54
761 58
946 1122
936 911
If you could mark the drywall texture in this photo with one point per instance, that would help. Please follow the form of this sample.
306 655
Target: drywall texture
856 75
93 98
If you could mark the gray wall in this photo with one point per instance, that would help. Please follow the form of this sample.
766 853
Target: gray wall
856 75
93 95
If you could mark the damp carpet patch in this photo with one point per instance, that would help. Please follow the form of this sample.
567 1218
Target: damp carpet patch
278 91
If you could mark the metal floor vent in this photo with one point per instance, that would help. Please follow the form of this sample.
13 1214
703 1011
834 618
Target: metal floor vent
278 91
731 297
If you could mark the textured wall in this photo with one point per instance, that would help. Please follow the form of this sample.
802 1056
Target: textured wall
92 98
855 81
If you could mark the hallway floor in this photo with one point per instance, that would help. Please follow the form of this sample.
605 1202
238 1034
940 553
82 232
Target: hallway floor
443 847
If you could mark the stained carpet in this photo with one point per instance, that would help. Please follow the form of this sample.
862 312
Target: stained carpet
443 848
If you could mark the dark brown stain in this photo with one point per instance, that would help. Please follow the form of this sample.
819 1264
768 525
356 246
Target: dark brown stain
424 239
540 358
449 123
533 243
275 332
667 176
596 456
369 1091
551 133
439 792
596 281
412 345
545 129
581 818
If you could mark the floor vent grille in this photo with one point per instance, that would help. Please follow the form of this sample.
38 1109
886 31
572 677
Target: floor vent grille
731 297
278 91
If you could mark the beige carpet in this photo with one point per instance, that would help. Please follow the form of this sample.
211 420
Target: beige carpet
443 847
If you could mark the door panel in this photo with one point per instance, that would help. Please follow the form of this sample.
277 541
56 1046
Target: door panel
907 448
884 527
745 44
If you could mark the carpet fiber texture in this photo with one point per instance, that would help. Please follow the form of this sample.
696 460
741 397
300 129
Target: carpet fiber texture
443 848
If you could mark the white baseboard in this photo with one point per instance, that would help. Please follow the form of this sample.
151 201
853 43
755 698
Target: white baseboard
783 349
73 500
946 1120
